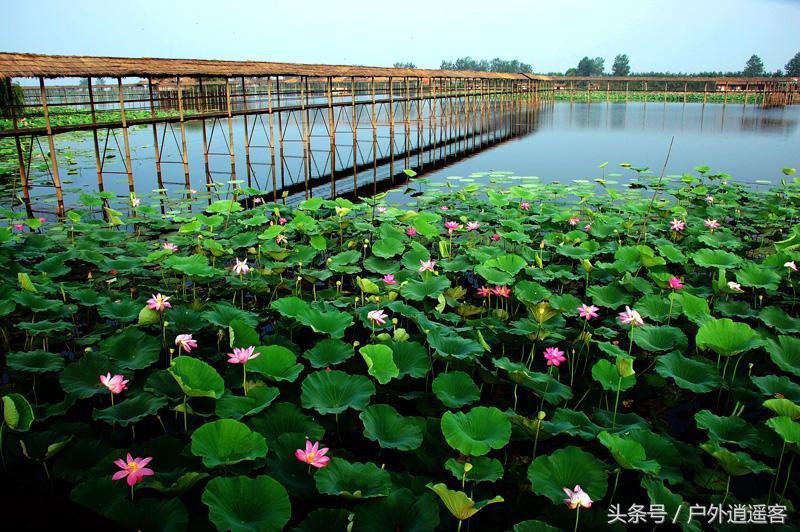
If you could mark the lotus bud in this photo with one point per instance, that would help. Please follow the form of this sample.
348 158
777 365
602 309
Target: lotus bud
394 321
541 245
338 283
366 241
88 350
199 237
467 467
625 367
329 261
541 415
356 343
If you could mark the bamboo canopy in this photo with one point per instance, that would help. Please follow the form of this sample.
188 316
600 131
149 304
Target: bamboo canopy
56 66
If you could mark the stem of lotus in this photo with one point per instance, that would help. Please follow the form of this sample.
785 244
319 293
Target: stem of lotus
536 439
112 398
774 484
671 300
2 454
614 490
577 517
244 378
515 397
131 493
185 414
616 403
458 529
727 489
733 377
788 476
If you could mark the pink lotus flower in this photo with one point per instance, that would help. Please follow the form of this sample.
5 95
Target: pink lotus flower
313 455
426 265
411 231
159 303
241 267
484 291
389 279
281 239
193 191
444 208
573 221
588 311
709 199
41 219
242 355
677 225
377 316
135 202
472 226
451 226
282 220
257 200
675 283
185 342
577 498
495 237
554 356
169 246
587 227
502 291
115 384
791 265
736 287
524 205
381 210
630 317
133 468
19 227
711 224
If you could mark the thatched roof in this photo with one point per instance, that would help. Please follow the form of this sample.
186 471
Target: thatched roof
56 66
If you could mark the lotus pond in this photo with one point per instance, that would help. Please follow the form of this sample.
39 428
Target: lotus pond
532 358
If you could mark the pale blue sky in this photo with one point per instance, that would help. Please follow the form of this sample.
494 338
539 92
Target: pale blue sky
676 35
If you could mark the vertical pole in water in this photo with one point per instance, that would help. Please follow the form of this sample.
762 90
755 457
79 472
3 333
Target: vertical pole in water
646 94
705 88
246 136
391 128
230 129
725 94
272 141
97 161
331 136
182 119
665 91
23 175
128 168
280 130
684 91
608 91
589 91
627 84
374 138
746 90
407 123
159 177
354 122
571 87
52 145
420 126
434 109
304 133
203 110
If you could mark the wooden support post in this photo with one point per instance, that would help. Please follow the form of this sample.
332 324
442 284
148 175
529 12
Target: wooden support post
705 88
684 91
229 107
746 91
125 141
407 122
182 119
725 95
23 174
53 158
354 124
280 130
272 141
159 176
374 139
627 84
246 136
305 134
391 128
204 109
331 135
98 162
420 126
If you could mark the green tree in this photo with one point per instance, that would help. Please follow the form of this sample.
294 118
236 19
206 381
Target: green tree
404 64
483 65
591 67
754 67
622 65
792 68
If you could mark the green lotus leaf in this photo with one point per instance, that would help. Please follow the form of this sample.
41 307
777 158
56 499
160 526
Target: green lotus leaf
180 485
387 247
431 287
786 428
196 378
332 322
123 311
242 335
455 389
543 384
458 503
628 453
275 362
783 407
82 378
35 302
484 469
333 392
695 308
131 410
731 429
570 466
734 463
225 207
609 378
330 519
286 418
451 345
380 362
290 306
237 407
785 353
510 263
773 385
726 337
659 338
132 349
715 258
572 422
670 454
193 266
476 432
238 503
411 359
531 293
694 374
353 480
758 276
673 504
17 412
494 275
657 308
610 296
383 424
401 511
223 314
35 361
328 352
779 319
534 525
226 442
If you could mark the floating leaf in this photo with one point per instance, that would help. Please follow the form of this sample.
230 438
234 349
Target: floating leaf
353 480
238 503
226 442
196 378
380 362
455 389
335 391
570 466
384 424
476 432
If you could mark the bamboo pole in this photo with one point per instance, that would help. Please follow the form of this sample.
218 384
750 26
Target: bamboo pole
182 118
246 136
159 176
53 158
23 174
272 141
125 140
331 136
230 129
354 123
206 162
280 130
391 128
305 135
374 139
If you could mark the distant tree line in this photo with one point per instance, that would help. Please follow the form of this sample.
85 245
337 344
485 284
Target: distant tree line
485 65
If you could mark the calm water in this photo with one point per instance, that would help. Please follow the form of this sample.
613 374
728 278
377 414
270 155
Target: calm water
565 142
